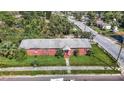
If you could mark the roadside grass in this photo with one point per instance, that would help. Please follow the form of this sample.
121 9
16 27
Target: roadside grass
121 29
96 29
6 73
98 58
106 32
103 32
95 72
56 72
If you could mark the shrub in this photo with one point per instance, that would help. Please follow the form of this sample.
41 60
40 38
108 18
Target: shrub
34 63
8 49
75 52
85 35
20 55
89 52
59 53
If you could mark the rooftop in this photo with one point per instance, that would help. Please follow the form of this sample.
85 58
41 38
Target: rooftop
55 43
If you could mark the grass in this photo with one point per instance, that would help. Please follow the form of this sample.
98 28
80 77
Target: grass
95 72
98 59
103 32
32 73
97 29
121 29
107 32
41 61
58 72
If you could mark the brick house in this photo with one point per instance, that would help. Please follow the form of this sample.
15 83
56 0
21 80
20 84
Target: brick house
50 46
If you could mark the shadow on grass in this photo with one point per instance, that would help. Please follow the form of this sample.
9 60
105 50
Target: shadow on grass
112 67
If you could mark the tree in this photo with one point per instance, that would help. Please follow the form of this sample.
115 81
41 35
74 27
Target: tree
86 35
92 18
59 25
7 18
20 54
110 15
48 14
8 50
78 15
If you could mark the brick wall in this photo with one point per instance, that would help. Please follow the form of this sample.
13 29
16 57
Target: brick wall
51 52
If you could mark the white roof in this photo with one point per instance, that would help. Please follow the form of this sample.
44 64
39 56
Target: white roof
55 43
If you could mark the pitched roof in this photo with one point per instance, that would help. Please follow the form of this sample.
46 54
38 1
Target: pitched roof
54 43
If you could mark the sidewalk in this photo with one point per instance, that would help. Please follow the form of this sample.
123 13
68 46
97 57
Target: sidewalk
55 68
75 77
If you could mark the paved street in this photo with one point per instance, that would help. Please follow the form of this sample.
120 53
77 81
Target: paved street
55 68
103 41
65 77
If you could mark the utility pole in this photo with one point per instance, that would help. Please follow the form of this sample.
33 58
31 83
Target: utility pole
120 49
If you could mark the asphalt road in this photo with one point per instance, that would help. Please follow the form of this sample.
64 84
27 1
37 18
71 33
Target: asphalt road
104 42
65 77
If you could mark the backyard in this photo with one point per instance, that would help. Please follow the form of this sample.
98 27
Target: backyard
97 58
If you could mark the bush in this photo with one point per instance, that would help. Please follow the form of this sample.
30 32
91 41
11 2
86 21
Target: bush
59 53
75 52
85 35
20 55
8 49
34 63
89 53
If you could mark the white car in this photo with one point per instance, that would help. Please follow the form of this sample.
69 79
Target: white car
57 79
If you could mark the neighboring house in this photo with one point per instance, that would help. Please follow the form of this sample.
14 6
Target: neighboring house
115 29
102 25
106 26
50 46
18 16
99 23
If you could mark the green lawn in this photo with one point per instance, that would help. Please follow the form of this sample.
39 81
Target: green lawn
96 29
40 60
32 73
95 72
106 32
98 59
55 72
121 29
103 32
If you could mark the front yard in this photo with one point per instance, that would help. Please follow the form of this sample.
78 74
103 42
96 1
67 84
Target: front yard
98 58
